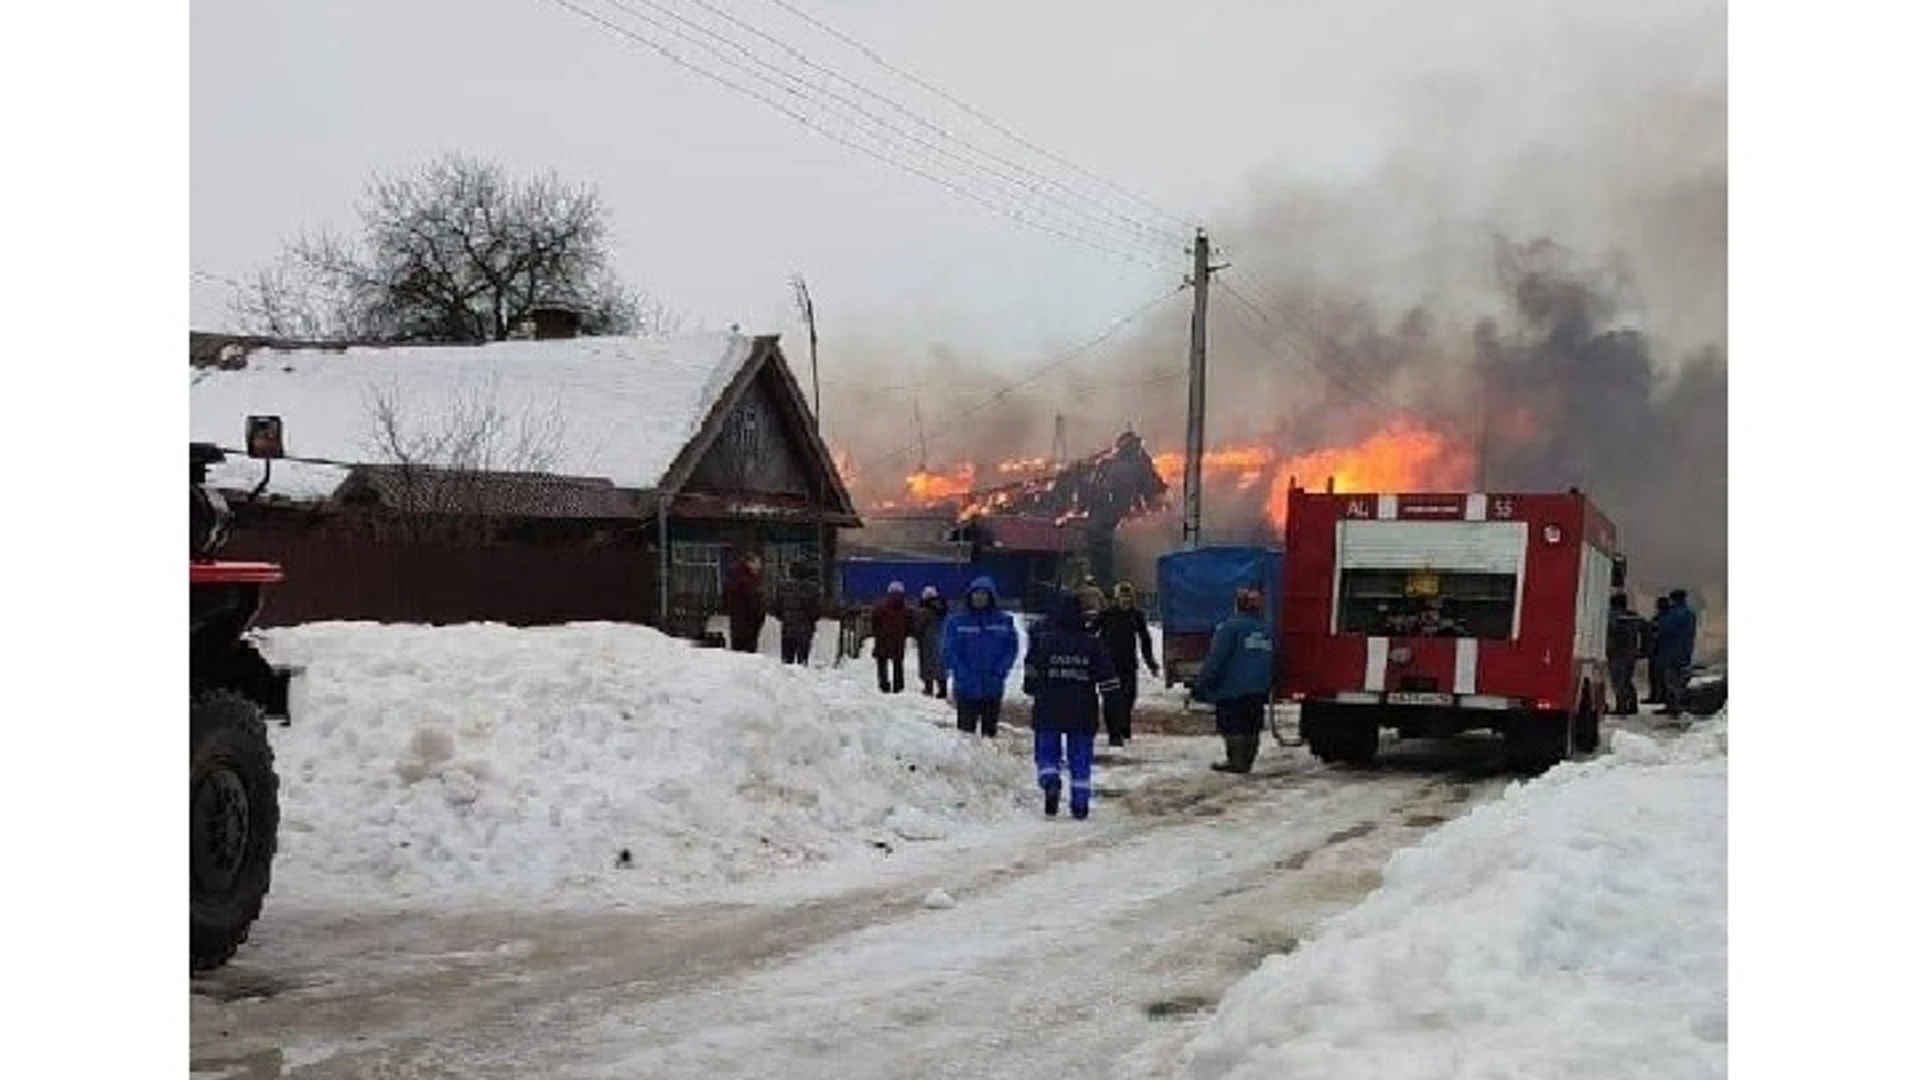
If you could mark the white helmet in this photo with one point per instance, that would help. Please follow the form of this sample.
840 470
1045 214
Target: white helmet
896 587
929 593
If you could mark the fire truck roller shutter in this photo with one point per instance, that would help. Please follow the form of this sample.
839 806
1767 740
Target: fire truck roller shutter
1590 615
1485 547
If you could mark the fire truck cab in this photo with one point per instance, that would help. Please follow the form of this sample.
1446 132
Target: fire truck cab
1435 614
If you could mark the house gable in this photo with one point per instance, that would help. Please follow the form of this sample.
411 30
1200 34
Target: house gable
753 450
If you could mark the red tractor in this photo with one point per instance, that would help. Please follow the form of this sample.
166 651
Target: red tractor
235 791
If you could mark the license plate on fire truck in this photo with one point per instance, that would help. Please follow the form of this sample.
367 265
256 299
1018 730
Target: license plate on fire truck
1404 697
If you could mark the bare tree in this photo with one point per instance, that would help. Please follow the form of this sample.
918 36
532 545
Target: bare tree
455 470
459 253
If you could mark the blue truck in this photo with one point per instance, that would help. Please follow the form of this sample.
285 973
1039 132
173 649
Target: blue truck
1196 590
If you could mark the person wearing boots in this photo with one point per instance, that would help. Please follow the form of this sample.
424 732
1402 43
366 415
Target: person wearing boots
1123 630
930 618
1649 642
1067 674
1237 679
1673 651
1624 631
891 624
978 645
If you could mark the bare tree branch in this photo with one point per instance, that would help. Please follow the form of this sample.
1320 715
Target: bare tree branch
458 253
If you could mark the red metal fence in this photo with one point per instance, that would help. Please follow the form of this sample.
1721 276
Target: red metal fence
358 578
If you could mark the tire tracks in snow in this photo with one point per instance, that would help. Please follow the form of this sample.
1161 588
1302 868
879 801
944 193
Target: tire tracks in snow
1180 893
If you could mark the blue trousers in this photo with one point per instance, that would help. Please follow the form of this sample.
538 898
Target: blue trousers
1046 759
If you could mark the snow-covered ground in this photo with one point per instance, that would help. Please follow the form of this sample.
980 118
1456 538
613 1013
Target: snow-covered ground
477 764
1575 928
831 883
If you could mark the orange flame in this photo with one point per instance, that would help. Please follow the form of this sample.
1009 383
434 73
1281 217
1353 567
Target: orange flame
931 487
1402 457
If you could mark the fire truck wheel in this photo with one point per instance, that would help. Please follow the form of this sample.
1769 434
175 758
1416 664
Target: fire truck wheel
1539 741
1586 723
1361 742
1320 730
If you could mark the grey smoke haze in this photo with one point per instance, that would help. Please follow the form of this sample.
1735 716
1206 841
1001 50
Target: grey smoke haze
1547 237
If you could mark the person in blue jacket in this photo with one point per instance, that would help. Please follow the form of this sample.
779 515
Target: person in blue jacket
1068 674
979 644
1237 679
1673 649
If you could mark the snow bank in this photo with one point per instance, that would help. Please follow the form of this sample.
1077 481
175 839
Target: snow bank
479 763
1575 928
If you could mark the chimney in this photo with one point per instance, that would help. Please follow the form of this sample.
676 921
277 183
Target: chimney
552 322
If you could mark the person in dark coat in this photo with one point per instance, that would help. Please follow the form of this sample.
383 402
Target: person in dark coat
1123 630
1067 674
929 620
1237 678
892 622
1650 641
1673 650
746 607
979 644
799 607
1625 628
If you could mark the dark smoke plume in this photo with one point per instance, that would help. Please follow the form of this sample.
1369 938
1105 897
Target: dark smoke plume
1537 270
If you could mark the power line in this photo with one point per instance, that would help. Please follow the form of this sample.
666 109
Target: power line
1183 225
799 87
1156 235
1037 373
826 131
1304 351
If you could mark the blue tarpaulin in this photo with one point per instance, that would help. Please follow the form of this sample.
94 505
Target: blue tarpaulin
864 581
1196 587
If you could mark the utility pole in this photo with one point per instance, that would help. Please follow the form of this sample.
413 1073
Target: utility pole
1203 270
803 300
1059 440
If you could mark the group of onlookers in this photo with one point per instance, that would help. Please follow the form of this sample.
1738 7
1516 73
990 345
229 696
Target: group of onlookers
1664 641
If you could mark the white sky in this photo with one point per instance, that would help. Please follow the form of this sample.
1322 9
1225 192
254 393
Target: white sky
717 199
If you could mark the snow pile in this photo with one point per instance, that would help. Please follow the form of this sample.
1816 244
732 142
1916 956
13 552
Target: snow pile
481 762
1575 928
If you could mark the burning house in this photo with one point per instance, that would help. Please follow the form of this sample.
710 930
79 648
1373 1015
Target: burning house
1048 525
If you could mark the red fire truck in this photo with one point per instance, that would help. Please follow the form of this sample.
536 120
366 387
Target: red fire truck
1435 614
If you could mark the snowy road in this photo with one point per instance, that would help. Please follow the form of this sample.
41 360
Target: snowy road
1070 950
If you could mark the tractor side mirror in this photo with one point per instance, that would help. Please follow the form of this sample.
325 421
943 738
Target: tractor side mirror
263 438
1619 572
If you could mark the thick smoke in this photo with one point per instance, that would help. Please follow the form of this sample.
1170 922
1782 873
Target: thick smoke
1536 269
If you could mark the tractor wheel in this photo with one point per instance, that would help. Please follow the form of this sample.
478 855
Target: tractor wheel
1539 741
235 823
1586 723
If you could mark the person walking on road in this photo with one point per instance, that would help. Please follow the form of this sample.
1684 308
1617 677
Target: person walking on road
746 606
1068 673
1123 630
1673 650
929 620
892 622
1237 679
1625 628
979 644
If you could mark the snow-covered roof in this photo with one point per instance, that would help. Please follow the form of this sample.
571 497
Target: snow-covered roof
615 408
